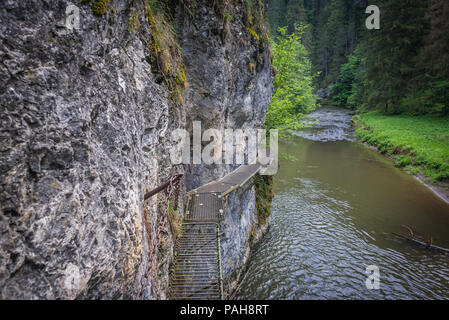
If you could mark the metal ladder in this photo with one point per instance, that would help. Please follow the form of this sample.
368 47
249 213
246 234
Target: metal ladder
197 273
197 269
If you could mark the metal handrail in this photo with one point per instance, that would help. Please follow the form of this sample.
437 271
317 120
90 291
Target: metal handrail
163 186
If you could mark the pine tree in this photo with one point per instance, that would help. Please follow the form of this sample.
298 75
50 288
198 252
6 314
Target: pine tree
431 93
390 54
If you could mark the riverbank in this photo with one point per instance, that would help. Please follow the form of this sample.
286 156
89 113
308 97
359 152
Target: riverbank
419 145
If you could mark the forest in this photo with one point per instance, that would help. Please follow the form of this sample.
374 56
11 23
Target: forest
401 69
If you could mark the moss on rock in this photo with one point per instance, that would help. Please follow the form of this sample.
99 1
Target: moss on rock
100 7
264 196
166 53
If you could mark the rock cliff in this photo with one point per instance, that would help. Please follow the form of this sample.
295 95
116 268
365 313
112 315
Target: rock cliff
86 117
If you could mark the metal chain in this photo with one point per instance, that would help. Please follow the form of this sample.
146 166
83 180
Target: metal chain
172 189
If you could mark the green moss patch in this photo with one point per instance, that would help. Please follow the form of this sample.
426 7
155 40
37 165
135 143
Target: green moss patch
166 52
101 7
264 196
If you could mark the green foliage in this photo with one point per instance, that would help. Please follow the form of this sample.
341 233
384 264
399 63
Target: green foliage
403 161
264 196
343 88
390 54
335 29
429 95
166 52
100 7
133 21
404 66
293 95
253 33
434 60
415 142
396 75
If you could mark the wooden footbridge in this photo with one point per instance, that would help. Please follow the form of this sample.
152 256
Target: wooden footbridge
196 273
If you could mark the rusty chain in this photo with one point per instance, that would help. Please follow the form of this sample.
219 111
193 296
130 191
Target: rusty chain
172 190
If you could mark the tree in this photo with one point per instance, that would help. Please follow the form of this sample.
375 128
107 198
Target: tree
431 90
343 88
293 95
390 54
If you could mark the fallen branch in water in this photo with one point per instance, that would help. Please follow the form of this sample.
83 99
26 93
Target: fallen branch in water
420 239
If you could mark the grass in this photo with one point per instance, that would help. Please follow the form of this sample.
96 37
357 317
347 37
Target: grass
418 144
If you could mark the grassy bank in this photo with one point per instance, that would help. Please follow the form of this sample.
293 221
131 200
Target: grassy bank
418 144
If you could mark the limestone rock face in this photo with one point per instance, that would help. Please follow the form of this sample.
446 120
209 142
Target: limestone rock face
84 135
230 87
230 79
85 132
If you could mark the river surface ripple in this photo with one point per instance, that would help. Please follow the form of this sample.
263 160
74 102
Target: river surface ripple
333 214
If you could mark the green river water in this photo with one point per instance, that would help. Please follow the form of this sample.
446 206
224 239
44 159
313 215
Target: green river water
333 214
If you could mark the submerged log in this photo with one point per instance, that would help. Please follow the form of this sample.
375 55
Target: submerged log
419 239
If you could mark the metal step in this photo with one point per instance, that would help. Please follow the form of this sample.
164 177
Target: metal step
196 273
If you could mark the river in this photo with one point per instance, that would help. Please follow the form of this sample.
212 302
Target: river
333 214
